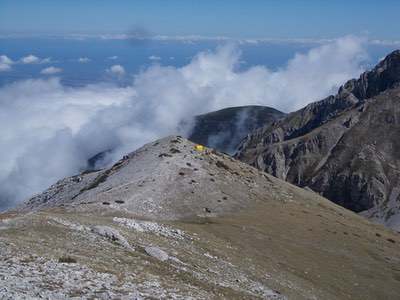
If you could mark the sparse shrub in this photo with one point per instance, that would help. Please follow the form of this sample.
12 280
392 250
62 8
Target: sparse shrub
67 260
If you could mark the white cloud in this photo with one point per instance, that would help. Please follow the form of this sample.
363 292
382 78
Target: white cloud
117 70
51 70
84 60
113 57
49 130
32 59
154 57
4 59
5 63
4 67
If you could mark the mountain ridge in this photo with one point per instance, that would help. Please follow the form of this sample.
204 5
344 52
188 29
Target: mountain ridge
298 147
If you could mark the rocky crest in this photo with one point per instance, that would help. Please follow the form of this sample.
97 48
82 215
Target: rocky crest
167 180
344 147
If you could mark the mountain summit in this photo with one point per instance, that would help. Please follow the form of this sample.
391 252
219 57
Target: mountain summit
345 147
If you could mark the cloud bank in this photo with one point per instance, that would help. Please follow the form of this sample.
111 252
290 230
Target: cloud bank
49 130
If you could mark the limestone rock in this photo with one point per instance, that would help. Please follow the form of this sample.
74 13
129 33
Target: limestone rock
157 253
112 235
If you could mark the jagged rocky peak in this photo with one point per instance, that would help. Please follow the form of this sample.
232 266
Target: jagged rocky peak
344 147
385 75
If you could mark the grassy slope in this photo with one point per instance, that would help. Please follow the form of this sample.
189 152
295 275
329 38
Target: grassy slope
303 250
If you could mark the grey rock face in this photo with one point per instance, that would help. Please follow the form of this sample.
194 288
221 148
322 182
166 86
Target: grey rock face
344 147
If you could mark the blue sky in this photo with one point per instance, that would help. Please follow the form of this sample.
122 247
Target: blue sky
232 18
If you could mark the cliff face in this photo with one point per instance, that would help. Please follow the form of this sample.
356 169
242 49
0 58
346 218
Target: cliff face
344 147
225 129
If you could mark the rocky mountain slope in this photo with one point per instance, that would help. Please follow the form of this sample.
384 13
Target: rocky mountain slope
344 147
225 128
168 221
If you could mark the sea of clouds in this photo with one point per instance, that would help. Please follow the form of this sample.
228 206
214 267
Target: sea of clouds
48 131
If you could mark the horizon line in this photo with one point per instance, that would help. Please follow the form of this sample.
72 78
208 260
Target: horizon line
188 38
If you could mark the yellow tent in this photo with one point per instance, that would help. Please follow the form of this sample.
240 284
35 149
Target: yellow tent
199 148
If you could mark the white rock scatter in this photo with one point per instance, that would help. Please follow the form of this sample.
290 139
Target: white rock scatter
152 227
157 253
22 279
113 235
70 225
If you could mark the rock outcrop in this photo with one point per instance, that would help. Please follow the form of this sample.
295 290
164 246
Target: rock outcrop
344 147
